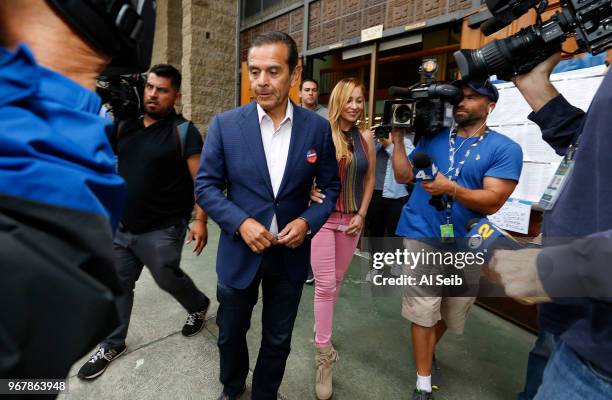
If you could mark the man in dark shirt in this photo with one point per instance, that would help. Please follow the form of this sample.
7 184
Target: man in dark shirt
159 154
578 321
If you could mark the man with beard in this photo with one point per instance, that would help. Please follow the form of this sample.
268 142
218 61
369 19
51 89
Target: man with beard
478 170
159 155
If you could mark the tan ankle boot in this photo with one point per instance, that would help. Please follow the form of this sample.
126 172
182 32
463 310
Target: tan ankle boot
325 357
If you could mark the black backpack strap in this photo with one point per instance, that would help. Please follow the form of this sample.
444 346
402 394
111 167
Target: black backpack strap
121 127
181 129
119 130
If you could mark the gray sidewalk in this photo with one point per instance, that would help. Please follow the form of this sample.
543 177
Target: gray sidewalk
373 340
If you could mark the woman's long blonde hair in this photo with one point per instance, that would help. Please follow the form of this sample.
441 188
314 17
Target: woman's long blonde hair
339 97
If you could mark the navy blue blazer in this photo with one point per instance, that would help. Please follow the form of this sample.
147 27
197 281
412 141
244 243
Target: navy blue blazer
233 159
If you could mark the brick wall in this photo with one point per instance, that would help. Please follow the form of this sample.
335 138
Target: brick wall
331 21
291 23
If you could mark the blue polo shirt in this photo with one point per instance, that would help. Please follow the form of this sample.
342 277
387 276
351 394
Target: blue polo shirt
496 156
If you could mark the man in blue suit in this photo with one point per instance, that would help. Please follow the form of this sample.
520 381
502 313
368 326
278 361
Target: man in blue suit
267 155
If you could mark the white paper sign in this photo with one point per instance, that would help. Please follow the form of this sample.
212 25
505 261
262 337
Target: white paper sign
513 216
534 180
529 137
375 32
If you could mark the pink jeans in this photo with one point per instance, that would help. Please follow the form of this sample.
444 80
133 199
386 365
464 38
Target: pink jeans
331 254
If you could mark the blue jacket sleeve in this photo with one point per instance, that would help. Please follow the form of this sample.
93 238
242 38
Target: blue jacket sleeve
578 272
328 181
560 122
211 181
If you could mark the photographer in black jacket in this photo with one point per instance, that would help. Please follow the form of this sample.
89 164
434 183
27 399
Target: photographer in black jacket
576 327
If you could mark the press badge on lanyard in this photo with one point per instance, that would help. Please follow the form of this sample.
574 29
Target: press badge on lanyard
447 231
559 180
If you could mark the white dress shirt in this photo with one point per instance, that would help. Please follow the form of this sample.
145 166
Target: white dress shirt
276 146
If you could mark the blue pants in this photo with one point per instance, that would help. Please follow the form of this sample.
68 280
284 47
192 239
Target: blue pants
280 305
538 358
568 377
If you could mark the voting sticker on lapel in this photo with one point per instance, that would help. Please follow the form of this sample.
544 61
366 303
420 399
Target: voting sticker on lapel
311 156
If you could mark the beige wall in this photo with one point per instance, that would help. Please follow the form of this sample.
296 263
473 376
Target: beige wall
168 46
199 37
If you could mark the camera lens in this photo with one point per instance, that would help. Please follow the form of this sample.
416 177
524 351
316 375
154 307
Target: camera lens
402 114
484 62
514 55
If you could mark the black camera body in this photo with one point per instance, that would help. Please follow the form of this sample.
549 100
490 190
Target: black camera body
425 109
122 94
589 21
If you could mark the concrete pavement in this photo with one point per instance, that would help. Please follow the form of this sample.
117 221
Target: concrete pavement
373 340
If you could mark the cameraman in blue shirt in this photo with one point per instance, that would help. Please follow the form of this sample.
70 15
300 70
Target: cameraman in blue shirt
478 170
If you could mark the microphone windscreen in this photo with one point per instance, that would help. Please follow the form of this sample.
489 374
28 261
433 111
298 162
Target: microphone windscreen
396 91
491 26
472 223
421 160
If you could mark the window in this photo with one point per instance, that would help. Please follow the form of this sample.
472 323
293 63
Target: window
255 9
250 8
270 3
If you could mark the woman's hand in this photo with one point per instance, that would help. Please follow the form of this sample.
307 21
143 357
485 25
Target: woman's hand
356 225
316 195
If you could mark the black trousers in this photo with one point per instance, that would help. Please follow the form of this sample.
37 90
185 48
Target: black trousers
383 215
160 251
280 305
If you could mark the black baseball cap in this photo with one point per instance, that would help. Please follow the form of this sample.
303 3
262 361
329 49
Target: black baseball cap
482 87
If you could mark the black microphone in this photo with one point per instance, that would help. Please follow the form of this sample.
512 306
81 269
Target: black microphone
492 25
484 236
472 223
397 91
426 170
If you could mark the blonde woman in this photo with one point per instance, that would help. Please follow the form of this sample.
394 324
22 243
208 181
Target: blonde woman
333 246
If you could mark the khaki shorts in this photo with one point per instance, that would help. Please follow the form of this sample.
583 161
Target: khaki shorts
426 306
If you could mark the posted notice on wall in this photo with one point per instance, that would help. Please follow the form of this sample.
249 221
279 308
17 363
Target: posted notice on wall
510 118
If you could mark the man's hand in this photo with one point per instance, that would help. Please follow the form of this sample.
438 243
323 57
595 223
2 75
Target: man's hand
199 232
386 142
535 85
439 186
541 71
294 233
402 169
397 136
383 141
256 236
517 272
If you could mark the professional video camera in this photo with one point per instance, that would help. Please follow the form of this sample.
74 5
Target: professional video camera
122 29
589 21
425 108
122 94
